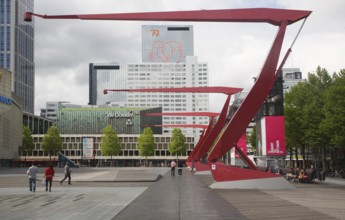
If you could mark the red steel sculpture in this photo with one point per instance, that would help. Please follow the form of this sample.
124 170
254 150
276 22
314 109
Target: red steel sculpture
256 96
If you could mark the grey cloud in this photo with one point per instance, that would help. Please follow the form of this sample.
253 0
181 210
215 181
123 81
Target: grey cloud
234 52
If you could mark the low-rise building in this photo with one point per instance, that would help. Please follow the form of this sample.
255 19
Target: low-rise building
74 146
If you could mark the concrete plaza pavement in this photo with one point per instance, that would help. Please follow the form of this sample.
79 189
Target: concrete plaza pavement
151 193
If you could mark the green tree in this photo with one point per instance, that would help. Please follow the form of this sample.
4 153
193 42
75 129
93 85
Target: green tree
252 138
110 145
304 115
178 140
316 138
51 142
146 144
334 110
27 142
294 117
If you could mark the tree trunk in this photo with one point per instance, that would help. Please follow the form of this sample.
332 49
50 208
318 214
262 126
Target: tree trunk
303 156
296 154
291 163
316 164
307 154
323 157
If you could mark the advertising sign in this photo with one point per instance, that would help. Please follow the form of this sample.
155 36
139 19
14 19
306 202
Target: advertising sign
167 44
273 136
87 148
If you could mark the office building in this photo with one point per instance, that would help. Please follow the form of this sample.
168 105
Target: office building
168 62
291 76
17 49
11 116
167 44
153 75
52 108
37 124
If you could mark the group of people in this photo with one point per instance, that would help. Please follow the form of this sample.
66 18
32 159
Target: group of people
297 175
49 173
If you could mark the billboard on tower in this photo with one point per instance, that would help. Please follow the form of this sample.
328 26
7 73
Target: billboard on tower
167 44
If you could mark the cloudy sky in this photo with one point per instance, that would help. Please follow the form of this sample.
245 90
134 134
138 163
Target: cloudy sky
234 52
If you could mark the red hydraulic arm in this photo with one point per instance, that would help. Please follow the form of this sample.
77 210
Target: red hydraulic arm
251 103
212 134
208 89
207 114
263 15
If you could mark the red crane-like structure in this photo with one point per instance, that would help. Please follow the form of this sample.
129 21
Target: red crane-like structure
227 176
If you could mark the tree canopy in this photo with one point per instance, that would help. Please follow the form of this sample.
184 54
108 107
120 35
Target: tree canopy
178 140
334 111
315 112
252 138
52 142
110 145
27 142
146 144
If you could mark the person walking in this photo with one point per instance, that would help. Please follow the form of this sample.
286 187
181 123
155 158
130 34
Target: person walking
48 175
32 172
173 165
67 170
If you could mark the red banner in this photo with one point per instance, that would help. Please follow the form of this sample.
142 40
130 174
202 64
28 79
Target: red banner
273 136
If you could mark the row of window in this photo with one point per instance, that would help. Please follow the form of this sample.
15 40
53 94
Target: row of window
78 153
156 74
5 18
158 100
71 139
5 35
5 60
156 96
140 78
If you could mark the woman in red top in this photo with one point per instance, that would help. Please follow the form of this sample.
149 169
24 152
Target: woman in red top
48 175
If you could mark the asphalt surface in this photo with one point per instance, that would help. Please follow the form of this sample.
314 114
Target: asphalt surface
151 193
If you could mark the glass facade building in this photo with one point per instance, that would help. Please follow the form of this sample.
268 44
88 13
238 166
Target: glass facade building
92 120
17 49
167 44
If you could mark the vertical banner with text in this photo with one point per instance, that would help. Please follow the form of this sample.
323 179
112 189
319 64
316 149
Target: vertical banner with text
87 148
